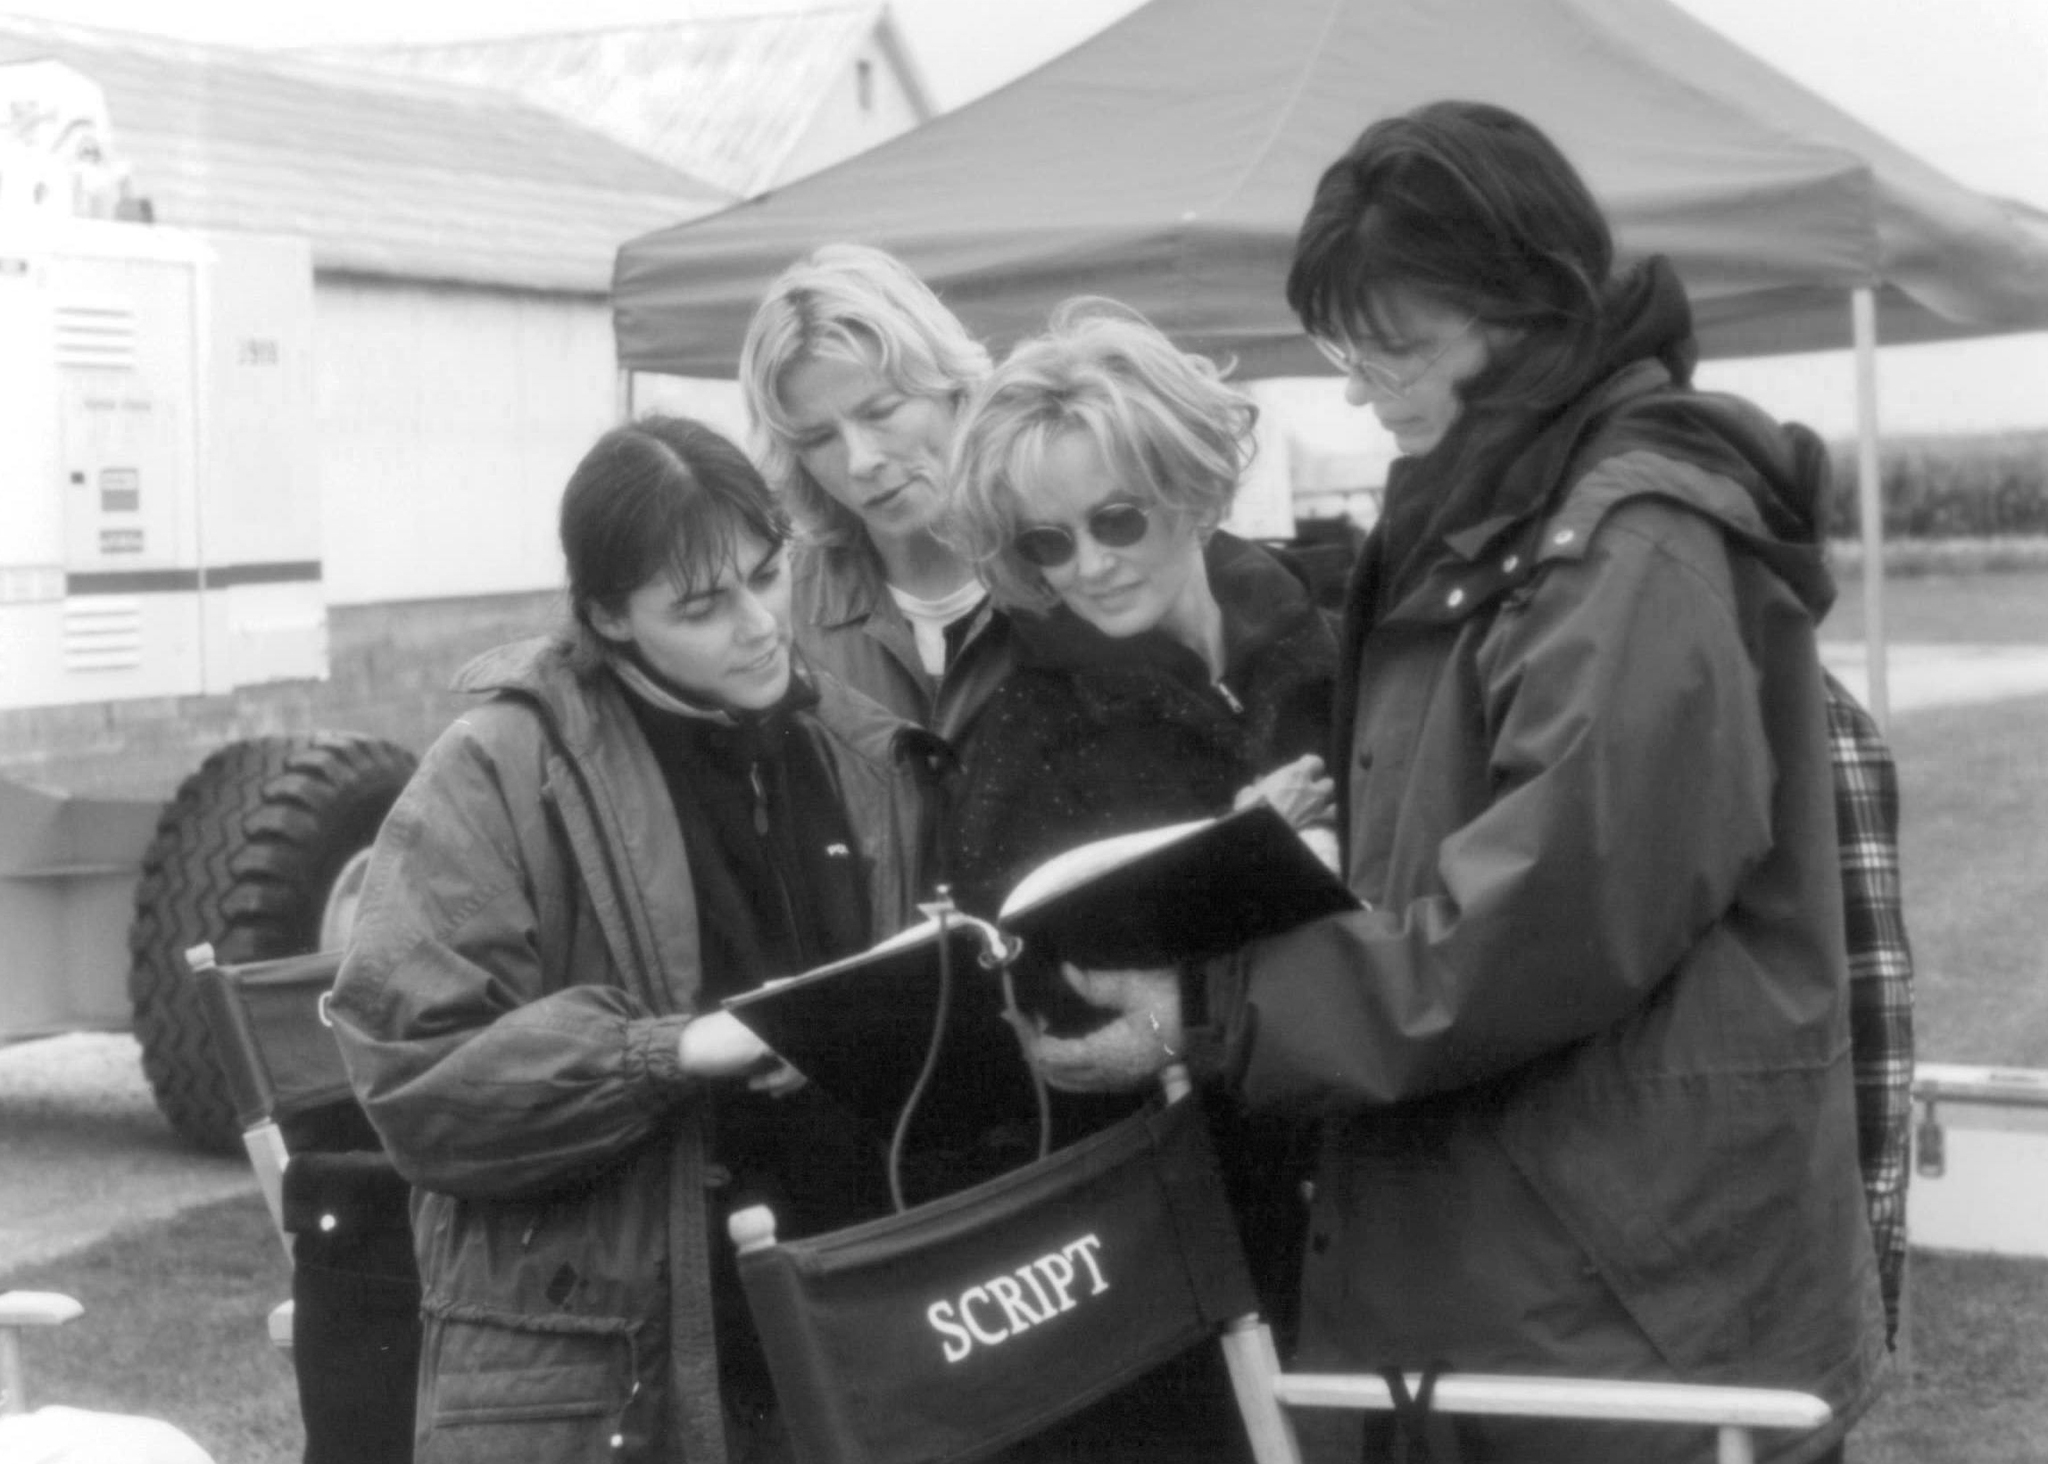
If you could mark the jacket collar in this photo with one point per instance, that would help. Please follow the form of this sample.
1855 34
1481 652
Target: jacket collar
845 581
1714 455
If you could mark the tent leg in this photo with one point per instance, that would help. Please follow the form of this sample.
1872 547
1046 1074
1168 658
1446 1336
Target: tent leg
623 401
1863 320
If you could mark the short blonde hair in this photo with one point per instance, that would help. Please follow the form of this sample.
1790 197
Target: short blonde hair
1165 421
847 302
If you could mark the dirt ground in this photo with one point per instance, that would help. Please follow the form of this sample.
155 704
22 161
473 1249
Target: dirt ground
83 1151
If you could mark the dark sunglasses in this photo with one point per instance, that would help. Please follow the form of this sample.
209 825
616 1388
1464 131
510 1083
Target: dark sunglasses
1113 526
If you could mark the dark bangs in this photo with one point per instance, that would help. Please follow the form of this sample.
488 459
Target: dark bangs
704 530
1469 206
665 496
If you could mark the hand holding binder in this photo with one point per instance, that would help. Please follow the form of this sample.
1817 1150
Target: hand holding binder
861 1027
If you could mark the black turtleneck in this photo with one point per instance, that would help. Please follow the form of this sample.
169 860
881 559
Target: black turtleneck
779 887
778 879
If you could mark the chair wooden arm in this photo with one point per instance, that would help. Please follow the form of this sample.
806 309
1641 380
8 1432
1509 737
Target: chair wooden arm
1539 1397
19 1309
37 1308
1265 1392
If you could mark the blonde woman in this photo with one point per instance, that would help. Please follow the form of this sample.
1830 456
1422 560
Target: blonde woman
1165 670
854 374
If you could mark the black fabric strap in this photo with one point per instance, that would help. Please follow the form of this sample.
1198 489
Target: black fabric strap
1416 1428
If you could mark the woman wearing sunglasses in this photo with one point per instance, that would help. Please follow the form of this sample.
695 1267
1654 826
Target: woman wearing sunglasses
1165 671
1584 1058
854 373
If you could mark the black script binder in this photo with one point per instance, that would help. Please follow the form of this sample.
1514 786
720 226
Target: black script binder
861 1027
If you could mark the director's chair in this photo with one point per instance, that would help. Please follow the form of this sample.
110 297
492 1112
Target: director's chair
341 1210
956 1328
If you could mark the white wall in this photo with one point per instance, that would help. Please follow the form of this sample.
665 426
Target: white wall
842 126
449 420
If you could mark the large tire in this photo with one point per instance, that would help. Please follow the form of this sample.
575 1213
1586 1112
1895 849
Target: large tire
260 849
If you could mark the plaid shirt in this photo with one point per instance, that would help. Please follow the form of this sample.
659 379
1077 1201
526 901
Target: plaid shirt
1880 975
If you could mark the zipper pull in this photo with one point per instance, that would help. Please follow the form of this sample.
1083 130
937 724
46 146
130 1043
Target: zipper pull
760 800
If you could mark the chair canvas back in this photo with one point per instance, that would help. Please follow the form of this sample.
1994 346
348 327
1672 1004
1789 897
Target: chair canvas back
981 1318
278 1053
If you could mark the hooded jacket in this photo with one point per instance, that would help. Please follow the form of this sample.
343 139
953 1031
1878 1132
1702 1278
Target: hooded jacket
525 961
1584 1059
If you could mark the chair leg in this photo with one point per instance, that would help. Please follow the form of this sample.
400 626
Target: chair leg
1254 1364
12 1390
1736 1446
19 1309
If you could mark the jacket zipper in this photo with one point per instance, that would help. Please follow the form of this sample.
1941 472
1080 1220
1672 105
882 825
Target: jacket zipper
774 864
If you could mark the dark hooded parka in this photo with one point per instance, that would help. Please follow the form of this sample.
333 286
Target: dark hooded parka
1584 1059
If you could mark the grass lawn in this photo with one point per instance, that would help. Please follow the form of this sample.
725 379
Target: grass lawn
1974 837
1973 793
2003 608
174 1329
1978 1389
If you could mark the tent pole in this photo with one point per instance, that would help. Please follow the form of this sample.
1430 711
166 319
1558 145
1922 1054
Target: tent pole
622 402
1870 507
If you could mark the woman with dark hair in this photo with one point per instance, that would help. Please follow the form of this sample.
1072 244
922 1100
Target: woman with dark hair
1582 1060
647 813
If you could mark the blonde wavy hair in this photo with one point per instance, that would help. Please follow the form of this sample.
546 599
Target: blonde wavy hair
846 302
1166 422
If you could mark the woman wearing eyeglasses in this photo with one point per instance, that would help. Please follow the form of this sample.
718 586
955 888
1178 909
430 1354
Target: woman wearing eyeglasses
1583 1059
1165 671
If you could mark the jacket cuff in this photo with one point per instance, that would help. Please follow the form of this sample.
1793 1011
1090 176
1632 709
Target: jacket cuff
654 1058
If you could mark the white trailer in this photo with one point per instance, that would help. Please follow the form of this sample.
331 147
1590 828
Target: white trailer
160 543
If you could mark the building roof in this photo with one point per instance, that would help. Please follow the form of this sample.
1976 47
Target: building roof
394 176
726 96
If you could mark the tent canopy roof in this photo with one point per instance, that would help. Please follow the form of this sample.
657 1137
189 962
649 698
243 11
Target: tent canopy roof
1167 162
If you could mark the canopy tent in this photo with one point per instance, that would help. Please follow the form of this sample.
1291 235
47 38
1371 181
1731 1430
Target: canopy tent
1167 162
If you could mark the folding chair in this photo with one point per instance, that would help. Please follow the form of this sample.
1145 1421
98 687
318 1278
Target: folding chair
961 1326
341 1210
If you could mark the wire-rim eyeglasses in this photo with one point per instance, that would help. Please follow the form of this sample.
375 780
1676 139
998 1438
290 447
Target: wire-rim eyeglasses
1349 358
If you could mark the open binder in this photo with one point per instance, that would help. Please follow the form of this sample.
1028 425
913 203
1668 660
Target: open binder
862 1027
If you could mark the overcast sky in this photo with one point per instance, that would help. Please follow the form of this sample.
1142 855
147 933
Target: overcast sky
1963 83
